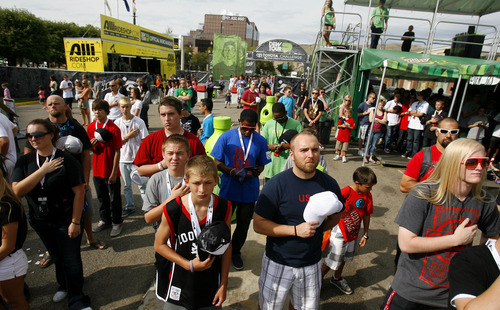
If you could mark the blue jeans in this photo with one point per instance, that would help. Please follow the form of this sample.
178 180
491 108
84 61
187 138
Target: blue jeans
413 141
373 142
125 170
390 134
66 255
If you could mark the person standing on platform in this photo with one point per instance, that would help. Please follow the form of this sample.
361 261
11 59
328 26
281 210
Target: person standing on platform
378 23
407 38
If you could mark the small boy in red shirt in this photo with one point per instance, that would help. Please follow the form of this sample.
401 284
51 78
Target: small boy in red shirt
106 141
358 207
345 126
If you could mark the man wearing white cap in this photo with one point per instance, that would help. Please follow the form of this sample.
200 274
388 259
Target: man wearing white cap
292 261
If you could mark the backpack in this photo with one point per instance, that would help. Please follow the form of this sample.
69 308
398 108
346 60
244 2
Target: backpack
426 163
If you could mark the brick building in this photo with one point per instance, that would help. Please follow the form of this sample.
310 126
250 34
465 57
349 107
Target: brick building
202 39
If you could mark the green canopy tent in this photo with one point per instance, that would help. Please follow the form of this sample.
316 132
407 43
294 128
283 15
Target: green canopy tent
425 67
461 7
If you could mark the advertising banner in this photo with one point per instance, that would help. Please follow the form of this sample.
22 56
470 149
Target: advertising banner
229 57
118 30
84 55
280 50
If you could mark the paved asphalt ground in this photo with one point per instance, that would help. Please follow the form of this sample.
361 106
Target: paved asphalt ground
120 276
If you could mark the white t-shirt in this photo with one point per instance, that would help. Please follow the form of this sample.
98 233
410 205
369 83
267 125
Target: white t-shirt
496 131
67 93
114 112
136 106
421 107
6 127
477 133
129 149
392 118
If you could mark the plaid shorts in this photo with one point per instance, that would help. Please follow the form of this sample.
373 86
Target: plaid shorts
276 281
363 129
340 251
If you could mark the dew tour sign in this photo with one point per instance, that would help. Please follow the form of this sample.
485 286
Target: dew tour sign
83 55
280 50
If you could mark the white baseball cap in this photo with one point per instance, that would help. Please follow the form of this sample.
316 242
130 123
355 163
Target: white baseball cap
321 205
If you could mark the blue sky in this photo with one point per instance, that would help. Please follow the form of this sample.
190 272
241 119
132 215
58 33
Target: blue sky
295 20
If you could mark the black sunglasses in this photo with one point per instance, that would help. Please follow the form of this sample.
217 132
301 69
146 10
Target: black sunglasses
36 135
280 118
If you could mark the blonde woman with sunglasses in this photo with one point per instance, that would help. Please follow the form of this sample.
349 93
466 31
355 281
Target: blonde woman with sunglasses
438 219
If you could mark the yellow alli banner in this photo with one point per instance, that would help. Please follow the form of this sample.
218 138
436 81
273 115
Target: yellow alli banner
118 30
84 55
135 50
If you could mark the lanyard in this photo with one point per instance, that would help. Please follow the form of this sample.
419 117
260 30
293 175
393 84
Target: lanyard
169 186
42 181
194 218
104 126
276 129
243 146
314 104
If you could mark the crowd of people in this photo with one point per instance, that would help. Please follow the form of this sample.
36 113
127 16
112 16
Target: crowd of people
178 185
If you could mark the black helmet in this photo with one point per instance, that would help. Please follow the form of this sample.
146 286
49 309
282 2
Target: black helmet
214 239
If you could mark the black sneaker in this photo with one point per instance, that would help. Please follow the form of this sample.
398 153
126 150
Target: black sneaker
127 212
237 262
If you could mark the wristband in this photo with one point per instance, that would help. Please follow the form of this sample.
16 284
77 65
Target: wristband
160 166
77 224
366 237
191 265
295 228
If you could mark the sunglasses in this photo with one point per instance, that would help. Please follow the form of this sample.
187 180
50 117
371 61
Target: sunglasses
314 93
346 100
446 131
36 135
248 127
112 85
280 118
471 163
322 92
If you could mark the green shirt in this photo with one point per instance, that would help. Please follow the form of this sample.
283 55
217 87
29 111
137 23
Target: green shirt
272 131
378 21
184 92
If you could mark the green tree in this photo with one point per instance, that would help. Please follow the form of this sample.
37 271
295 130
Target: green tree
23 36
58 31
199 61
286 71
264 66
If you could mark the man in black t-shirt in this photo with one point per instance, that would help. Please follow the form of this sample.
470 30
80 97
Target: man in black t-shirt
189 122
408 37
292 260
302 95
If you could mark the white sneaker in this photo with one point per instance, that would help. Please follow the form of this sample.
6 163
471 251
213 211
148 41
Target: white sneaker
360 152
116 230
336 157
344 159
59 296
87 308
